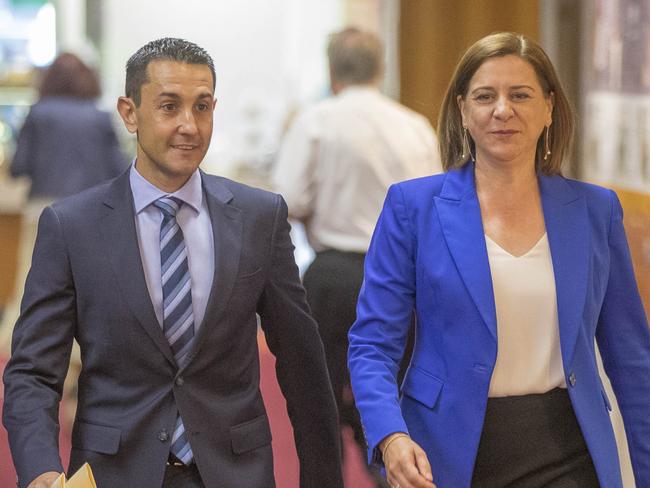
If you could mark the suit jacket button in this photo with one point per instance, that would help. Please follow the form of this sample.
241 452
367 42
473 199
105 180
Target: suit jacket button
180 381
572 379
163 436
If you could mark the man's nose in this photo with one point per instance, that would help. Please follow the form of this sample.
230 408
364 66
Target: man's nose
187 122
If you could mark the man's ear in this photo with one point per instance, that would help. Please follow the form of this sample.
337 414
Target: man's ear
126 109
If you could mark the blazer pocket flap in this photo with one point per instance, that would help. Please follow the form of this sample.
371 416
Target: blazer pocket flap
98 438
249 274
422 386
250 435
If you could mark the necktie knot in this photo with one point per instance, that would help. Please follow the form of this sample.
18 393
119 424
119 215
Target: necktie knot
168 205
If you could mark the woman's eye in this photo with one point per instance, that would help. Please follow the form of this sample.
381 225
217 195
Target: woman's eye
520 96
483 97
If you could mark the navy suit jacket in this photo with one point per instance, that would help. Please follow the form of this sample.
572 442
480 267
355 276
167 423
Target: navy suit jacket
428 255
87 283
65 146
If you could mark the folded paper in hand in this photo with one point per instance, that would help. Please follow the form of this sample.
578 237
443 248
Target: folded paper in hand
81 479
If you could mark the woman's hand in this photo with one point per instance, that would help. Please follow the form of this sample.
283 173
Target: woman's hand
406 463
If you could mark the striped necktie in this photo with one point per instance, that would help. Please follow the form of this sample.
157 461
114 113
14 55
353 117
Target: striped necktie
178 316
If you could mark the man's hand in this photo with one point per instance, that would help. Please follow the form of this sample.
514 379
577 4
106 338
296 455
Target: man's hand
406 463
45 480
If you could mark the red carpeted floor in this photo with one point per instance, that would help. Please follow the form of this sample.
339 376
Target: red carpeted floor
286 461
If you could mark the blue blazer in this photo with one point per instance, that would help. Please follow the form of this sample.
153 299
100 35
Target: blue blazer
428 256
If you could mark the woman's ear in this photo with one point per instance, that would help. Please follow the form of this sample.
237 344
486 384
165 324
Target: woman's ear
550 103
126 109
461 107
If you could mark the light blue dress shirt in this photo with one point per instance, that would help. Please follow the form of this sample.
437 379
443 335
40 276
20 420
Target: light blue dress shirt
194 220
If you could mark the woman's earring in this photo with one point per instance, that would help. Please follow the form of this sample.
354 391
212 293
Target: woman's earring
466 148
547 148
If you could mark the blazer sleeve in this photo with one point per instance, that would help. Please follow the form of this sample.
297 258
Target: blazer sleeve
41 345
378 336
624 342
293 338
26 141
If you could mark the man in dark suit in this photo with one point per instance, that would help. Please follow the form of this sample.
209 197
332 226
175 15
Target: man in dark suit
159 275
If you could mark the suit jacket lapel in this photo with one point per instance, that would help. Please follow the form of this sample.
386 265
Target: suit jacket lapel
119 234
227 230
567 228
460 218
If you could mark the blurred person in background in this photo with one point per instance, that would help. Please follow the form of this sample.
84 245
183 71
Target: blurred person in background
336 162
65 145
514 273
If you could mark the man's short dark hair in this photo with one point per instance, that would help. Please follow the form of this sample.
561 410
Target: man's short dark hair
355 57
165 49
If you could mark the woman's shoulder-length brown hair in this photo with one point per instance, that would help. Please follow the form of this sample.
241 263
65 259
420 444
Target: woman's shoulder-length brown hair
450 127
69 76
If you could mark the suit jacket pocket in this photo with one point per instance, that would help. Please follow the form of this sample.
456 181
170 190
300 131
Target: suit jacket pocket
250 435
247 274
98 438
422 386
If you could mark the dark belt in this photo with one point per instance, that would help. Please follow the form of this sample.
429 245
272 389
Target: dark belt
174 462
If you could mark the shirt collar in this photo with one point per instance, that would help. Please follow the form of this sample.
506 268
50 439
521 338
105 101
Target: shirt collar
358 89
145 193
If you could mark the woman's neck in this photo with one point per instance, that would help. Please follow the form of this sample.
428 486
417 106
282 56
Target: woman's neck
509 183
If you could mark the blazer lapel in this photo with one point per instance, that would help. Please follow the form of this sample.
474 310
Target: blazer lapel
567 228
119 234
227 228
460 217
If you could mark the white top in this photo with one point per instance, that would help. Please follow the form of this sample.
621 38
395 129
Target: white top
340 156
528 358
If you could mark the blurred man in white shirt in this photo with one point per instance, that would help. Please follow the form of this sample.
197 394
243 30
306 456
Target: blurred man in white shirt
336 163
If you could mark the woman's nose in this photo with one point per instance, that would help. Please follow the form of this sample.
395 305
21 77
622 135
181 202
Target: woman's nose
503 108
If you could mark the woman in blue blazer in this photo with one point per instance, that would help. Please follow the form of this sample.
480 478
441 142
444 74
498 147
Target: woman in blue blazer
513 273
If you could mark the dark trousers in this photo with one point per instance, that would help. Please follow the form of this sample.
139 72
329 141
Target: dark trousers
533 441
332 282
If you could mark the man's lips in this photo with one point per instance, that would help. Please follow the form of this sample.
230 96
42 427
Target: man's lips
185 147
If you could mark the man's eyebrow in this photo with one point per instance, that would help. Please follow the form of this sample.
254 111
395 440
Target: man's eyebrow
168 95
176 96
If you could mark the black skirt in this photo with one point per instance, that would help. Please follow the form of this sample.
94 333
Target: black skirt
533 441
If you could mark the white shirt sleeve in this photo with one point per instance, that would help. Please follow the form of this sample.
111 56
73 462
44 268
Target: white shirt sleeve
294 172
